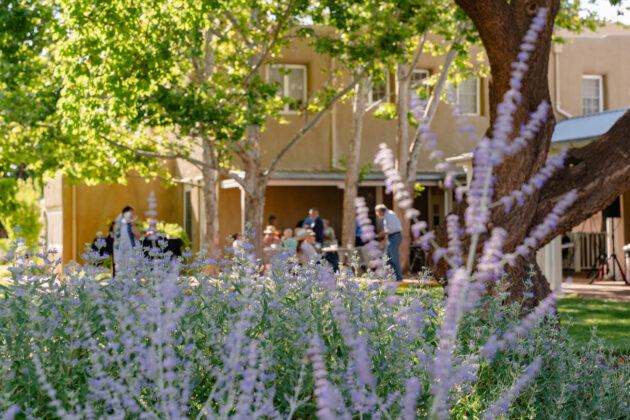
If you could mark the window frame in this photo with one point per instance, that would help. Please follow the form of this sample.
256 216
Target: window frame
285 85
600 90
477 97
418 71
370 98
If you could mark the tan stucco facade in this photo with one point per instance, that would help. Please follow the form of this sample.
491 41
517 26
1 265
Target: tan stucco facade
86 209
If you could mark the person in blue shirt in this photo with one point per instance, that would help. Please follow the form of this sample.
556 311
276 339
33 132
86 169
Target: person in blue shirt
392 231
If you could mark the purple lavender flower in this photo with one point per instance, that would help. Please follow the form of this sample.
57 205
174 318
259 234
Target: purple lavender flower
494 344
500 407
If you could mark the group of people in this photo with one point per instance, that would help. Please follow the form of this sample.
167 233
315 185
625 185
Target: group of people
312 235
124 236
308 239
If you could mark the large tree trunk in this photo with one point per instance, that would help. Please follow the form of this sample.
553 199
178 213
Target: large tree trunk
255 187
599 172
352 167
211 200
402 152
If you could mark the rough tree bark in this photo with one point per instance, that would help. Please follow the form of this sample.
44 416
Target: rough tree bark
403 79
255 187
599 171
352 167
211 199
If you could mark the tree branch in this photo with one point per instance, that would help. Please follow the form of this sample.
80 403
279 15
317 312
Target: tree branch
269 46
161 178
238 28
155 155
431 109
312 123
222 170
421 40
598 171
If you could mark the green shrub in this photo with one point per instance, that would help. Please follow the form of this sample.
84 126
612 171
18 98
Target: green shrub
23 220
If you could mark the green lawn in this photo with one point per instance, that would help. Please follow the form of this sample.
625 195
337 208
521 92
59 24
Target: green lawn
612 320
4 273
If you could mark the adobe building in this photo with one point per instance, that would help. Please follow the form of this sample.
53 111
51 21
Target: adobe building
589 74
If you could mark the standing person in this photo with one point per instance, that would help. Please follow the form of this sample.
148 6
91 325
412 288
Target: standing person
126 236
392 231
272 225
316 225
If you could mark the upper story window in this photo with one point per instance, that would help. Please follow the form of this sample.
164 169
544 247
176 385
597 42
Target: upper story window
417 76
592 94
467 94
292 84
380 90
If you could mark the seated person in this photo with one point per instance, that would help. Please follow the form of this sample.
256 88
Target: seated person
270 239
329 234
237 244
305 246
288 241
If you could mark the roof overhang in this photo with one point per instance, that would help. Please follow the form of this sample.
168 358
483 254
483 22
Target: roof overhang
331 179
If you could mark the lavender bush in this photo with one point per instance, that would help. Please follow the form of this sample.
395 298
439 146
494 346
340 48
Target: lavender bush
167 340
298 342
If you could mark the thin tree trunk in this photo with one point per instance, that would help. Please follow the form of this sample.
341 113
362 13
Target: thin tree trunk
402 145
408 155
211 200
352 167
255 185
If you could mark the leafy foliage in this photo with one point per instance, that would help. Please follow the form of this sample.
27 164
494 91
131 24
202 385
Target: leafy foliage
23 220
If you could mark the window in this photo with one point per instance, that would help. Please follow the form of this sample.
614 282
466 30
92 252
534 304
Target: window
592 94
380 90
466 95
292 84
416 82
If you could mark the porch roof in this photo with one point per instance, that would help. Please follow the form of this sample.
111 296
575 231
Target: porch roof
586 128
334 179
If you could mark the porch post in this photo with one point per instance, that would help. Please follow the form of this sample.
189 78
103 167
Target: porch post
242 191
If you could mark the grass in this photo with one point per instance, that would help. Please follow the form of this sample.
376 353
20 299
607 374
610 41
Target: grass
611 319
4 274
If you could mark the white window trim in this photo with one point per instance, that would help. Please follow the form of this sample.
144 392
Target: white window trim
478 97
600 85
426 73
370 97
413 87
285 85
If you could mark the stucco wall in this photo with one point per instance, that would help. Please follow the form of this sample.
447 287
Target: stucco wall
606 53
229 213
88 209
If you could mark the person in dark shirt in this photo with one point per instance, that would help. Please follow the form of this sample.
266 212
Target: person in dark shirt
316 225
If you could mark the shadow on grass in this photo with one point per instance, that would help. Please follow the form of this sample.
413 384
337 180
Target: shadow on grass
611 320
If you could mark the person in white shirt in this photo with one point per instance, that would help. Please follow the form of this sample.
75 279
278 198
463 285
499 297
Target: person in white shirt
392 231
305 246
